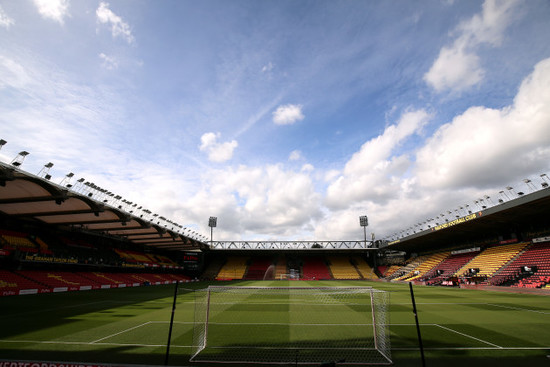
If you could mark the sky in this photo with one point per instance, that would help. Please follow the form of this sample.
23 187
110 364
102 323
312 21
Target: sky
287 119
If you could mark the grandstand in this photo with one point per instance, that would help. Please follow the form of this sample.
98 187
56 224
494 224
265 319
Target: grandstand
448 267
489 261
427 264
432 256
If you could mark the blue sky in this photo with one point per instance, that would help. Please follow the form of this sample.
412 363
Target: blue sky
285 119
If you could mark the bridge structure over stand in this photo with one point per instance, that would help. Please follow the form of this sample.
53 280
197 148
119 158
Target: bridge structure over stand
291 245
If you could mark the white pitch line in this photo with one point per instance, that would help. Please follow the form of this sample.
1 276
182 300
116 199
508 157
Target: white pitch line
283 324
190 346
42 342
469 336
123 331
518 308
472 348
87 343
440 303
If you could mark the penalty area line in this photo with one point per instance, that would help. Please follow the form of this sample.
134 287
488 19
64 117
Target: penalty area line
469 336
120 332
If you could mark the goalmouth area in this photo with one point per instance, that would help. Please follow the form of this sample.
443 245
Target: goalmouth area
129 326
285 325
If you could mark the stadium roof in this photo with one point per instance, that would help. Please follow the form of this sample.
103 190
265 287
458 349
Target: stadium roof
525 213
30 198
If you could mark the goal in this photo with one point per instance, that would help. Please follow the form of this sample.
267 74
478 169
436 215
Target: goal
298 325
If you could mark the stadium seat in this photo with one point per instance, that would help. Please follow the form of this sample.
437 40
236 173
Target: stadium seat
364 269
234 268
428 264
342 268
448 267
315 267
536 255
492 259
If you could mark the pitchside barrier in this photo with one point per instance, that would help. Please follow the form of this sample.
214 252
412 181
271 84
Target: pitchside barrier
282 325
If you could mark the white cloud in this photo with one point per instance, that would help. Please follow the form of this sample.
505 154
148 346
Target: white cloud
255 201
486 146
373 173
455 68
331 175
118 26
13 73
55 10
458 67
109 62
479 152
288 114
5 20
217 152
267 68
295 155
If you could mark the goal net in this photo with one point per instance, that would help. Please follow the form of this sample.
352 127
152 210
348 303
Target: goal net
298 325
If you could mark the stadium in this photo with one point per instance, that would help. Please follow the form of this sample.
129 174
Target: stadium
274 183
89 279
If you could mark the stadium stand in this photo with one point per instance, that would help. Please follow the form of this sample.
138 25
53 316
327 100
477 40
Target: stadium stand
11 240
257 268
491 260
213 268
315 267
411 264
58 279
448 267
12 283
136 257
163 260
388 272
428 264
44 248
281 268
112 280
342 268
234 268
531 269
364 268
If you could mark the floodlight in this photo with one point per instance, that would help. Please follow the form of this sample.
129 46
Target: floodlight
45 171
212 221
18 160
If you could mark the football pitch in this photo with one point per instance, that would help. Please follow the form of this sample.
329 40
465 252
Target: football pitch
459 327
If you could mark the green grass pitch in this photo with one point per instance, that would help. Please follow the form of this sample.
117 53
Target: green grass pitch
130 325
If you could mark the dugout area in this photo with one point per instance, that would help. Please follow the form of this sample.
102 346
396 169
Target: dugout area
130 325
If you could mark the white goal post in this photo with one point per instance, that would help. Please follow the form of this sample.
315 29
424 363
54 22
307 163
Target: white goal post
298 325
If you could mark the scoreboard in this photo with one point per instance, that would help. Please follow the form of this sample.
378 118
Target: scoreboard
192 260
